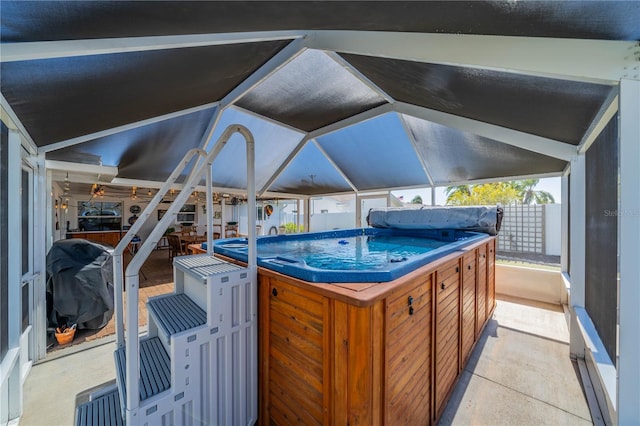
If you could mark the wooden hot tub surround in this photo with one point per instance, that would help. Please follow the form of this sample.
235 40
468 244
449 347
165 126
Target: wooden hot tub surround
371 353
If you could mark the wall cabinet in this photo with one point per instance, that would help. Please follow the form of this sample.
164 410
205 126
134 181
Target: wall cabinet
109 238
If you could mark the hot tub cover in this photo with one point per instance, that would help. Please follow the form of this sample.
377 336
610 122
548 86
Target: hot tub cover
468 218
79 284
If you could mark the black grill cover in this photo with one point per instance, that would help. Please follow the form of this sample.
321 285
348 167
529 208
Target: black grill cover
79 284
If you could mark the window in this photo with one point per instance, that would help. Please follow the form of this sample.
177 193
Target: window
99 216
187 214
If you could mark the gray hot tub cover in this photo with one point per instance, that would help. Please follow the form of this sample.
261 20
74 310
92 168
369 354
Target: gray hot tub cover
468 218
80 284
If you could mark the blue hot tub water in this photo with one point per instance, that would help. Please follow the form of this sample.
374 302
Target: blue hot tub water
350 255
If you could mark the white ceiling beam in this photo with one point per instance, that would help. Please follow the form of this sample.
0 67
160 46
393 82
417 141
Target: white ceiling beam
350 121
539 144
271 66
357 74
606 113
500 179
594 61
268 119
107 132
333 127
414 144
91 169
275 63
293 154
142 183
335 166
9 117
30 51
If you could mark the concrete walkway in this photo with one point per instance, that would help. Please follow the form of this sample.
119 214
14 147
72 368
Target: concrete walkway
519 373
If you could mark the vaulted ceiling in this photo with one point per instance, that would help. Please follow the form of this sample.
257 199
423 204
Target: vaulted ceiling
340 96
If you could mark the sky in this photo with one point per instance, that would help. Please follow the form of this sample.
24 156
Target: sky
551 185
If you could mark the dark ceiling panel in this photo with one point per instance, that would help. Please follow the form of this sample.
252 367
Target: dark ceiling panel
375 154
58 20
310 173
310 92
556 109
149 152
58 99
454 156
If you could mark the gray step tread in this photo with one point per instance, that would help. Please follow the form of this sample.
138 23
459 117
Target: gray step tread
155 369
176 313
103 411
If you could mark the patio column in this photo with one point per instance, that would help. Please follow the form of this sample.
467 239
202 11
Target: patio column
577 236
11 384
628 409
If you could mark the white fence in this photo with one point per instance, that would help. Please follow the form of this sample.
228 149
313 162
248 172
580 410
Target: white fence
533 229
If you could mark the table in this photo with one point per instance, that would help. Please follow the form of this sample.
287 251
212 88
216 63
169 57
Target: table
192 239
196 249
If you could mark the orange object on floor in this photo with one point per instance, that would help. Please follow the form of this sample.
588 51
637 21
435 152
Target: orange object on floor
65 336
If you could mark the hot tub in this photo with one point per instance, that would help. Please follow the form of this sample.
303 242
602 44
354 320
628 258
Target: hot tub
350 255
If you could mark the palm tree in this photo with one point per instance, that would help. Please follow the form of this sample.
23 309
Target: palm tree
529 195
455 192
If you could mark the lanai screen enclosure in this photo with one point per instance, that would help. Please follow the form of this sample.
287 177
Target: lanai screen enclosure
342 97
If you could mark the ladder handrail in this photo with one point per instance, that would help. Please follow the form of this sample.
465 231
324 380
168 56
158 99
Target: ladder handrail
133 269
126 239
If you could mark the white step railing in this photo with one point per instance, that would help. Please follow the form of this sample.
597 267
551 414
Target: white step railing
131 278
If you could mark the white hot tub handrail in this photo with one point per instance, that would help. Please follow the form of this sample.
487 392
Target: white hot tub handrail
128 237
133 269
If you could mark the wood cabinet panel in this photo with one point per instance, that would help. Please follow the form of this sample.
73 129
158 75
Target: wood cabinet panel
481 289
408 369
468 303
447 329
296 354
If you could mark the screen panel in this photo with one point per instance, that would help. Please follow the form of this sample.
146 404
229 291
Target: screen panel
601 285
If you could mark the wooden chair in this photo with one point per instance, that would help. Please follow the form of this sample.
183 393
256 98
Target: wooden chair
175 246
231 231
188 230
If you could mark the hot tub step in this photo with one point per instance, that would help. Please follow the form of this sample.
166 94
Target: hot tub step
103 410
175 313
155 370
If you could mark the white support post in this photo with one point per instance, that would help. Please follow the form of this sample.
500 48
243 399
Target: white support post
307 214
209 212
43 229
578 250
628 365
223 217
564 225
14 236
